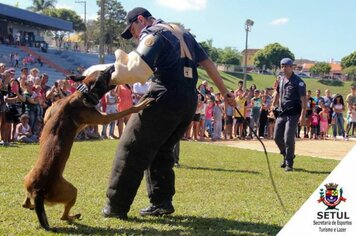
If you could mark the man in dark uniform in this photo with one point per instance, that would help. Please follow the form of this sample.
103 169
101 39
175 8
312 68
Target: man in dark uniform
291 98
172 55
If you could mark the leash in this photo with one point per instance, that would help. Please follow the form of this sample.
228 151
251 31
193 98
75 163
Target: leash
268 162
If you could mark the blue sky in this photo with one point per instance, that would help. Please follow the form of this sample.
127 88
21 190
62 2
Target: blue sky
314 29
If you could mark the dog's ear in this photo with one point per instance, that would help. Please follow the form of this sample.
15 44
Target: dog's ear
76 78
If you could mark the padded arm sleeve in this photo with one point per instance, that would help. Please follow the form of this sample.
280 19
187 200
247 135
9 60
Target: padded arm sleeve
99 67
130 68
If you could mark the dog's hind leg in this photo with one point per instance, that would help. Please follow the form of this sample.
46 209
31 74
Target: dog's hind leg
64 192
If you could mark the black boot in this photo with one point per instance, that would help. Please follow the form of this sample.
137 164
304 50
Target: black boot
283 164
108 212
165 208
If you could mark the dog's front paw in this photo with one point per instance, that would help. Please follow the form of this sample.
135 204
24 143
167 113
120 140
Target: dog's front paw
145 103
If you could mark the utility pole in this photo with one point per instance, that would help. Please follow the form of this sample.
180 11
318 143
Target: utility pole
248 25
102 33
85 23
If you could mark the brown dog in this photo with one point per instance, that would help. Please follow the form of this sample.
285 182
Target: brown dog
45 182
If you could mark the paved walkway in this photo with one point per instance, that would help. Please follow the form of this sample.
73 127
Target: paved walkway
328 149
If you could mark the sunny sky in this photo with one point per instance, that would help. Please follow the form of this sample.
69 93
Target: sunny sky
312 29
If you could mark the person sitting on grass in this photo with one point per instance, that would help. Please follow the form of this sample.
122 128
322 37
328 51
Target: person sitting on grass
23 130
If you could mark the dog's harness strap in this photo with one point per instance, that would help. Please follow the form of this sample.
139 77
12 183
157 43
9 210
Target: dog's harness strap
82 88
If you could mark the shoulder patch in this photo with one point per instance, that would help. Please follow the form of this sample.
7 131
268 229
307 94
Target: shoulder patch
301 84
149 40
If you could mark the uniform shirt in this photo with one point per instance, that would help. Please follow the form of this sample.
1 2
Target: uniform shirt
291 91
163 57
198 54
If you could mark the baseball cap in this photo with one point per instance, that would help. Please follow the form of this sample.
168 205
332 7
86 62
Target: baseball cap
287 61
131 17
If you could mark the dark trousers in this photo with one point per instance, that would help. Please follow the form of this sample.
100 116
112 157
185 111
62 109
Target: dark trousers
147 146
284 136
263 123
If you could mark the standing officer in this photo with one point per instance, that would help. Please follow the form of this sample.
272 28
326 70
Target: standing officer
291 98
172 55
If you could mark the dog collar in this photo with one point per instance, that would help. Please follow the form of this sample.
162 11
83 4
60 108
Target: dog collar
82 88
89 99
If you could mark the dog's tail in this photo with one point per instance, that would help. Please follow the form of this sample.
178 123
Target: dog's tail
40 211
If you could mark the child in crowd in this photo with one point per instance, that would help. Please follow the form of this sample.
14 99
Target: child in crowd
218 115
208 117
23 131
202 118
37 95
324 117
314 123
351 120
229 112
248 108
197 135
256 104
111 100
271 122
240 105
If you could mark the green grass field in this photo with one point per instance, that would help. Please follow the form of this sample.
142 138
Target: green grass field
219 191
266 81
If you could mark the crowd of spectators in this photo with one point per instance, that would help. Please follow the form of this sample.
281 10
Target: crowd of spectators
328 116
24 100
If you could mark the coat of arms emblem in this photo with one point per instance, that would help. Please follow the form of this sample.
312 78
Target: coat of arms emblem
331 196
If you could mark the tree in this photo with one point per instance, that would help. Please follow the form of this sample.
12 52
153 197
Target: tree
68 15
349 60
114 24
229 56
212 52
93 32
41 5
320 68
350 72
271 55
